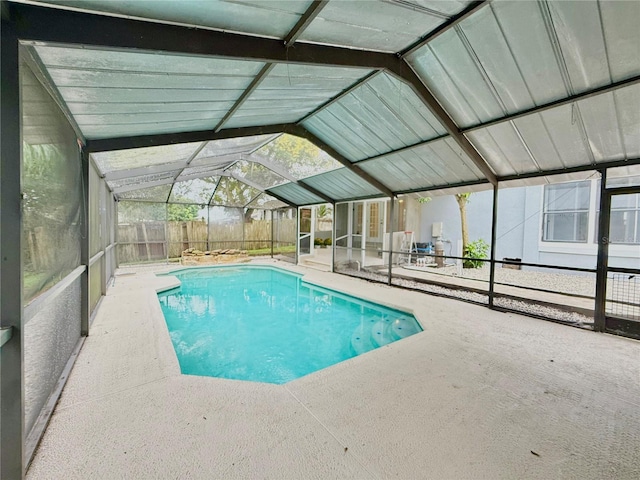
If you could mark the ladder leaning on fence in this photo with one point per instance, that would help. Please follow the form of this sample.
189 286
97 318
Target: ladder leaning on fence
407 246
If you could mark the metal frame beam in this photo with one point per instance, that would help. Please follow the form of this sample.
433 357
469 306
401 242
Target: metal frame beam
42 24
578 169
342 94
557 103
296 31
307 17
265 162
255 83
472 8
404 149
12 434
404 72
302 132
185 137
31 57
283 200
442 187
140 171
125 143
316 192
141 186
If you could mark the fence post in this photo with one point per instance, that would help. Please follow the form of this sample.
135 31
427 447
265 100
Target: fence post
333 238
244 226
84 246
166 234
599 320
392 222
494 233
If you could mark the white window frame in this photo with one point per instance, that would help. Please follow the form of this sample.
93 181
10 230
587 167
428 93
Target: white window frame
589 247
544 213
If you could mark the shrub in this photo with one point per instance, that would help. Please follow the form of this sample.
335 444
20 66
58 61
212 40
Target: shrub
477 249
328 242
318 241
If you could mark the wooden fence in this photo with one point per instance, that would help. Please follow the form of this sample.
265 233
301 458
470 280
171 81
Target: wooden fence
149 241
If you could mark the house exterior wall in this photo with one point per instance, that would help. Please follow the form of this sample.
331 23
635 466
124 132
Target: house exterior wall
479 209
519 233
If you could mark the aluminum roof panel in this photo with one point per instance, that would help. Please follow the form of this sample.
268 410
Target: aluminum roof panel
381 115
437 163
273 18
296 194
510 56
380 25
206 89
342 184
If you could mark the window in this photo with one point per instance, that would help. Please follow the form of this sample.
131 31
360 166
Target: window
566 212
625 219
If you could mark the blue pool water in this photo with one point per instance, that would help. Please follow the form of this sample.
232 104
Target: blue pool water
267 325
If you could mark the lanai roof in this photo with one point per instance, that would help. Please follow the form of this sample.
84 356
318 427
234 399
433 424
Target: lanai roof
405 95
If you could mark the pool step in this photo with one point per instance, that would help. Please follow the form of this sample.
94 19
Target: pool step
361 340
401 327
379 334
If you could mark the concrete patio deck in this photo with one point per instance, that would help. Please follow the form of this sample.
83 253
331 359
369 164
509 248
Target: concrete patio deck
478 394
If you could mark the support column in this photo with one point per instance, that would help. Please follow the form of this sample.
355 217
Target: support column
84 247
272 230
392 223
494 231
116 235
166 232
208 240
244 226
333 238
603 254
297 234
103 235
11 352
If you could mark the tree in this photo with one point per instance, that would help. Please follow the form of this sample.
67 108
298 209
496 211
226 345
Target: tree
463 199
298 156
182 213
232 192
323 211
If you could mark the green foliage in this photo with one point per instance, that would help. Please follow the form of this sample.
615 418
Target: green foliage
327 242
182 213
463 196
323 211
478 249
298 156
424 200
318 241
132 212
50 185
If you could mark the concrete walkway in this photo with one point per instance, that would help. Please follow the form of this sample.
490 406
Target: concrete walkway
478 395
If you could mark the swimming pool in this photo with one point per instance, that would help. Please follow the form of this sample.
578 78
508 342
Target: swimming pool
264 324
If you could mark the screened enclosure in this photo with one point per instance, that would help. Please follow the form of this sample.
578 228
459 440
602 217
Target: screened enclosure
133 131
